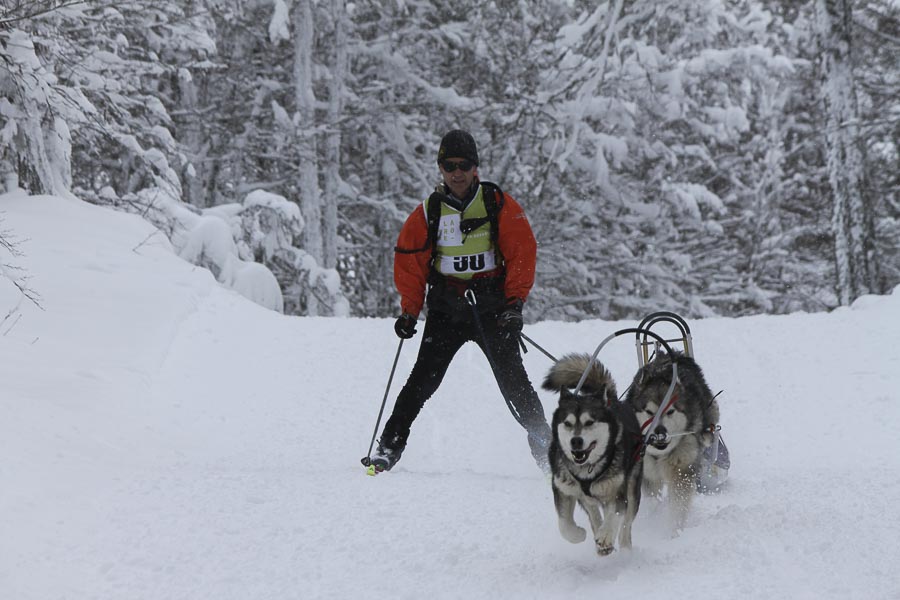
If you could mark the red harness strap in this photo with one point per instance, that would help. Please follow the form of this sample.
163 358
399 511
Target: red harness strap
639 451
668 406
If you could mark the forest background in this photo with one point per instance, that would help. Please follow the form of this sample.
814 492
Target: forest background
710 157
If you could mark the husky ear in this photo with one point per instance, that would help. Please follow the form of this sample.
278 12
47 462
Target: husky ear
611 395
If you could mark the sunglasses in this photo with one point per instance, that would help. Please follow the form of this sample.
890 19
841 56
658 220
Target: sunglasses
464 165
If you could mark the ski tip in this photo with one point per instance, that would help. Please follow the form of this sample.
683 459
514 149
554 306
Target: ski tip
371 471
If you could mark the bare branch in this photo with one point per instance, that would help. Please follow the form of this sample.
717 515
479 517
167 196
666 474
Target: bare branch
31 9
145 240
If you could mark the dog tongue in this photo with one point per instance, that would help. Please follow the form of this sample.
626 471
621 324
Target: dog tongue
583 453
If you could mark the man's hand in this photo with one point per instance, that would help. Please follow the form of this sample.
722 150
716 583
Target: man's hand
509 323
405 327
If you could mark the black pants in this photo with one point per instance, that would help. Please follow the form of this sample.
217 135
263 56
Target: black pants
441 339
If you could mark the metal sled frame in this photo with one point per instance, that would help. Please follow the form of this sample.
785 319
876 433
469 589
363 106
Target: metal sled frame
643 345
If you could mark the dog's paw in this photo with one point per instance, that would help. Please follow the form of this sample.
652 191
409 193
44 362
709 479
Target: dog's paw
572 533
604 548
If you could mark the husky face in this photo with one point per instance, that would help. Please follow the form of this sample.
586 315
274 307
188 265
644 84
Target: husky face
583 436
670 429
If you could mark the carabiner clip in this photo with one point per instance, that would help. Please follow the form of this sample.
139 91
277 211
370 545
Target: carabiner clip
470 296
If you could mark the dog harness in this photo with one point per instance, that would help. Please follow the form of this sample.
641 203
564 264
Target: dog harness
586 483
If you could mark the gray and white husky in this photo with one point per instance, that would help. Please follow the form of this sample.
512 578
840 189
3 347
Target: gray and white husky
594 454
673 458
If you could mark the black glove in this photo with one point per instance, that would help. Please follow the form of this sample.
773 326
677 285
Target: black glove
509 323
405 327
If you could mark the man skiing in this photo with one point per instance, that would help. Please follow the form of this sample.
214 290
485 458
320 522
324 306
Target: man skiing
478 275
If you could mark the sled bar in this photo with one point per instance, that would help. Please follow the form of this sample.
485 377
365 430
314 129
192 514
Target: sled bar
637 330
657 317
665 316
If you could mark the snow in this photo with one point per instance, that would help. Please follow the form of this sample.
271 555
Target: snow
689 196
209 244
289 210
20 50
279 29
164 437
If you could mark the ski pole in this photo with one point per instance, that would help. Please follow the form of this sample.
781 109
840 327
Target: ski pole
367 459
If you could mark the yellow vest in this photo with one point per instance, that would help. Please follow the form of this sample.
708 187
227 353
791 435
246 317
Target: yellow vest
463 255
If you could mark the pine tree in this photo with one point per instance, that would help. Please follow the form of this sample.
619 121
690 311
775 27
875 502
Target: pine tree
876 27
855 260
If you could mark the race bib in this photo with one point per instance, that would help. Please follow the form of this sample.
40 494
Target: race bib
471 263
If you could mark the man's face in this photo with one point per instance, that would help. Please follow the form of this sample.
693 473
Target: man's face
458 180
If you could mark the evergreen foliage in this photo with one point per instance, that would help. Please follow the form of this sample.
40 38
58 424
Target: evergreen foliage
669 155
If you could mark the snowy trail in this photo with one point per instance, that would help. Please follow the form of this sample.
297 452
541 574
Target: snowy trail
201 447
269 486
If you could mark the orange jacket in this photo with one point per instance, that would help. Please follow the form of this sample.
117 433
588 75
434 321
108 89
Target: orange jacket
516 243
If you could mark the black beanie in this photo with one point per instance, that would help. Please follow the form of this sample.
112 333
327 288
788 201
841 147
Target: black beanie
458 143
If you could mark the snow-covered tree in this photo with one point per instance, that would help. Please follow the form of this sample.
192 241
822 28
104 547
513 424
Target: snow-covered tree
646 116
854 240
876 26
35 116
670 155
